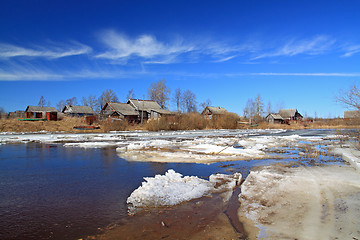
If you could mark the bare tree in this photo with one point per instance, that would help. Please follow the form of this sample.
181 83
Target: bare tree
254 109
269 109
249 111
60 105
159 92
91 101
71 101
42 102
107 96
2 110
189 101
259 106
279 105
350 98
130 95
205 104
177 99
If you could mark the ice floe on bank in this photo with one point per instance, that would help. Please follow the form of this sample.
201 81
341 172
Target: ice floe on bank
212 149
172 189
301 203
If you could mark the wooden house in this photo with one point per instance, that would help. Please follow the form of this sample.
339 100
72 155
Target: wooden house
290 114
212 112
4 115
78 111
351 114
148 109
16 114
274 118
48 113
121 111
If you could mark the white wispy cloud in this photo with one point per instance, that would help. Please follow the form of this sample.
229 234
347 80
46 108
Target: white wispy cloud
314 46
145 46
51 51
308 74
150 50
351 50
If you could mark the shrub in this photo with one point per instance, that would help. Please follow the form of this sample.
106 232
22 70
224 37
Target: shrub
158 124
225 121
114 125
191 121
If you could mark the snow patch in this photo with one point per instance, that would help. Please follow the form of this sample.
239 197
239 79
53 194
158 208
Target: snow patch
350 154
301 203
172 189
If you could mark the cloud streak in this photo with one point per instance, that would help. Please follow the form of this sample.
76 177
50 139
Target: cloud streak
52 52
314 46
308 74
351 50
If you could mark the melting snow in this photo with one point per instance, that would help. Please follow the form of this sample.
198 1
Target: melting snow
301 203
203 146
172 188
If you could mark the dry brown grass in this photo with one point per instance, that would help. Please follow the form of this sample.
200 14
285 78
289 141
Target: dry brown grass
189 121
107 126
66 124
192 121
337 123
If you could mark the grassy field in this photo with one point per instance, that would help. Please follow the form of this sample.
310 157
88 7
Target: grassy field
184 122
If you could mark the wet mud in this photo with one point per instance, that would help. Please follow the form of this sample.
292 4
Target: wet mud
205 218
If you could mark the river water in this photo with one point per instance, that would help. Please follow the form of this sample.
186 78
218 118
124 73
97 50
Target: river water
48 191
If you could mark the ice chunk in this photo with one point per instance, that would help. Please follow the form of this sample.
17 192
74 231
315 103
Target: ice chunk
301 203
351 155
172 189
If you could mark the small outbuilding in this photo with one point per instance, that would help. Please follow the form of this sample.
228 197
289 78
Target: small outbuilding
212 112
4 115
78 111
274 118
48 113
351 114
16 114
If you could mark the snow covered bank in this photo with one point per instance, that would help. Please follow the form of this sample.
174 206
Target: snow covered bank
172 189
301 203
350 154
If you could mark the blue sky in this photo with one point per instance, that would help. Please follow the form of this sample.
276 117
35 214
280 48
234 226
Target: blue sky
295 54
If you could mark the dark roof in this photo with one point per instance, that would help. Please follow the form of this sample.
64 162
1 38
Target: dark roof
144 105
78 109
40 109
122 108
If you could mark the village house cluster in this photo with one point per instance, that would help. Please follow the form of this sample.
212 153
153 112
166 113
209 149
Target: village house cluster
134 111
137 111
